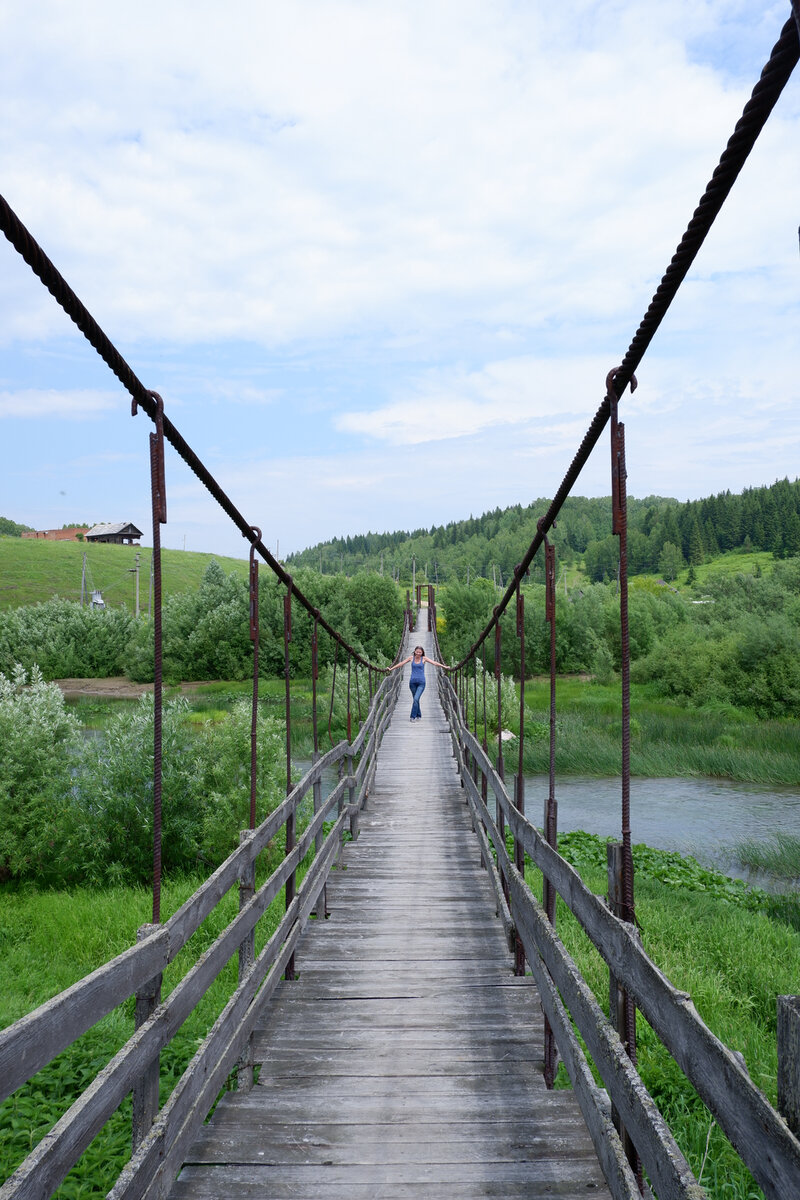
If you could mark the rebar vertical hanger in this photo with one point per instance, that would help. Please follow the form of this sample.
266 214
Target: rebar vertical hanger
158 492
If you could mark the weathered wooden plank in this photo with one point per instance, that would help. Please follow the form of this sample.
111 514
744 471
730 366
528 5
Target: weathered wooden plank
548 1174
402 1022
330 1145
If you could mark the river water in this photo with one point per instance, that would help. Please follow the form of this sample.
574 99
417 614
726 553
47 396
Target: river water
702 817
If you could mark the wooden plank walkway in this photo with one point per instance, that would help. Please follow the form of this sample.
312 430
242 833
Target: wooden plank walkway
406 1059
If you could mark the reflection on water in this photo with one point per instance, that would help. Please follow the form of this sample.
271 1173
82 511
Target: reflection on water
702 817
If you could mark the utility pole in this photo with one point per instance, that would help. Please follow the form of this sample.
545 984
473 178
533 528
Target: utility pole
467 574
381 562
137 581
83 581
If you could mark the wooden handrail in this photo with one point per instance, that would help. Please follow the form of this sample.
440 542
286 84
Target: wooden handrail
36 1039
756 1131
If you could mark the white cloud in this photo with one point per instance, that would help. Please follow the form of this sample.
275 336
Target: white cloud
78 405
413 233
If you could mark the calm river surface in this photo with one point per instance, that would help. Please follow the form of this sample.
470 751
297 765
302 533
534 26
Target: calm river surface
701 817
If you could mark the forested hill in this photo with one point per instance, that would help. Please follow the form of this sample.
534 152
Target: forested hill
664 535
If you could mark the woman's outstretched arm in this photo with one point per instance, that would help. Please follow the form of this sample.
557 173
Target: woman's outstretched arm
403 663
434 663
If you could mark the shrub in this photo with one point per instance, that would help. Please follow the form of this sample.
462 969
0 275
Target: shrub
41 742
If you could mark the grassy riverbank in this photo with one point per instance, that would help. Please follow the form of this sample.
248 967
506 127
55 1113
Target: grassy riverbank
666 739
733 949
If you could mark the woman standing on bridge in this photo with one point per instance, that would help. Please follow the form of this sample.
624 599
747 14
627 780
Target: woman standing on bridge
417 681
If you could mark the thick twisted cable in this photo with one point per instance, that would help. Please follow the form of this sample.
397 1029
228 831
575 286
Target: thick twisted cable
30 250
766 93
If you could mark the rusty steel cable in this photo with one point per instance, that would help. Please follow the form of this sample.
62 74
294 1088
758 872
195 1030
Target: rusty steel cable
29 249
765 95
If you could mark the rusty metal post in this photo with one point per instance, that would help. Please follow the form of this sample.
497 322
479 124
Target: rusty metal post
333 690
322 900
500 815
349 721
145 1090
291 820
519 788
485 743
551 807
159 508
498 678
619 498
620 1004
247 958
254 640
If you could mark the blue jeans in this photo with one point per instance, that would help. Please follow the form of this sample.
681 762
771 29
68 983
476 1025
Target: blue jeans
416 691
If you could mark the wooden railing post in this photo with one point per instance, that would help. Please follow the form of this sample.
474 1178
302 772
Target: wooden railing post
145 1091
247 958
789 1061
622 1013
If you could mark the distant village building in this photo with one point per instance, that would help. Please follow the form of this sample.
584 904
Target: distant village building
73 533
120 533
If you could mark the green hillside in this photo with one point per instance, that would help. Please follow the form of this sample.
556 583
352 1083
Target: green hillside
32 570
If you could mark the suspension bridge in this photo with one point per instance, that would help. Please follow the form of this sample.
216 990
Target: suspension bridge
398 1033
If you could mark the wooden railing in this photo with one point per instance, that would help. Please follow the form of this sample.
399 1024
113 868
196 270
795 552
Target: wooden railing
758 1133
160 1138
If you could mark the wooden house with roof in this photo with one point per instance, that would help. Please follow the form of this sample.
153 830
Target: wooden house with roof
120 533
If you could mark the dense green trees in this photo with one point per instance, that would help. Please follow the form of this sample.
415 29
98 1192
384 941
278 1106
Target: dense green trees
206 632
766 518
736 645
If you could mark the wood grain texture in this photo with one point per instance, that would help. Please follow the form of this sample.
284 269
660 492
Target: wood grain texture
405 1059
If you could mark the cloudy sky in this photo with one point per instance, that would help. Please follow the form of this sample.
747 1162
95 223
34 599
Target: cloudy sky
378 257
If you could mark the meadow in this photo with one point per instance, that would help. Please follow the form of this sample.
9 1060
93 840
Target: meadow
32 570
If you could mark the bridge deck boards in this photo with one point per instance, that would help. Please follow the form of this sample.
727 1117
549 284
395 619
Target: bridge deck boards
406 1059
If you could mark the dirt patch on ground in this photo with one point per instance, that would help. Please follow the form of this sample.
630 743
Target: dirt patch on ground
116 687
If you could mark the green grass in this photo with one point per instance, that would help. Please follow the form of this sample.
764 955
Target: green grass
32 571
49 940
667 740
732 948
780 856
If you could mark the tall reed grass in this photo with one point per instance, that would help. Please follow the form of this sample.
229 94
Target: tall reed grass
666 739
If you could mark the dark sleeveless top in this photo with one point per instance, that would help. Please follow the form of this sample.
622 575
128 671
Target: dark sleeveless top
417 671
